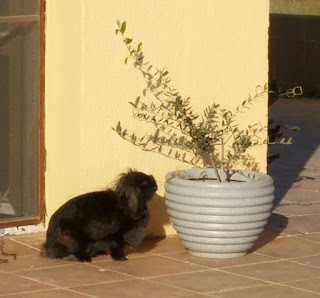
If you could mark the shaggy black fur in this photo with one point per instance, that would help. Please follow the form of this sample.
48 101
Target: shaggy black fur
102 221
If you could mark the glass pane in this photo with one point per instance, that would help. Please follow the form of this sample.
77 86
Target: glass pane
19 7
19 119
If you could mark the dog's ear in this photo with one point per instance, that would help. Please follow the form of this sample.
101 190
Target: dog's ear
132 201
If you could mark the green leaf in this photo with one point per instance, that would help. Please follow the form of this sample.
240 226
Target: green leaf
124 133
137 101
118 128
123 27
128 40
117 31
126 60
139 47
165 73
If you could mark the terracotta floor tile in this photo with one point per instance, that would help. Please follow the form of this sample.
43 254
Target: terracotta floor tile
297 208
220 263
199 296
296 194
310 284
73 275
289 247
10 283
312 237
132 288
55 293
31 262
311 261
208 281
164 245
278 272
274 291
11 246
34 240
150 266
303 224
266 237
149 247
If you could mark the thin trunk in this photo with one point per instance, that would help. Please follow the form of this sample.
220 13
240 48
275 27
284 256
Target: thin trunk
223 179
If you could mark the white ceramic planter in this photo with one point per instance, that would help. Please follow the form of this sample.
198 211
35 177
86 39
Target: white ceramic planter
218 220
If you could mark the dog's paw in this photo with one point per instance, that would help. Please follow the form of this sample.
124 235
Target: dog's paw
122 258
83 257
119 256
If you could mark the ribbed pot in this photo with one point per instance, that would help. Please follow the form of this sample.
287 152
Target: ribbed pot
218 220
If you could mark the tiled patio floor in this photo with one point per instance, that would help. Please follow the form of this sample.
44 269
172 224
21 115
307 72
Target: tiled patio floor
288 266
285 261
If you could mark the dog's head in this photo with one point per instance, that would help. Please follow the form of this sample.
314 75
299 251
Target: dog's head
135 189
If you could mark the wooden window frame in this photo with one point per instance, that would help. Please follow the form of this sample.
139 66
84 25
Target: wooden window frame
42 158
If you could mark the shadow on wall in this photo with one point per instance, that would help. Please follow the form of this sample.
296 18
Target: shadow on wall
295 173
159 218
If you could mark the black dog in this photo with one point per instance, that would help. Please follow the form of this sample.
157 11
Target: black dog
102 221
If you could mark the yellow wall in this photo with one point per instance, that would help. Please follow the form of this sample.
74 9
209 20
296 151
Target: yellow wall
215 50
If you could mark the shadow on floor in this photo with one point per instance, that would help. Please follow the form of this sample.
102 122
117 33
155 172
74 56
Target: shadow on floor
298 162
276 224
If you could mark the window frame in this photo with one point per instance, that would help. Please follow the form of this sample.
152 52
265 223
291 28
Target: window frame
42 152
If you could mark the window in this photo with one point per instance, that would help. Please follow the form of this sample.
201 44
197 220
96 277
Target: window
21 111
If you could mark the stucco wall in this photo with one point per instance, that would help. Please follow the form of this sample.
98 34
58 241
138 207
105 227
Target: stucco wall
214 50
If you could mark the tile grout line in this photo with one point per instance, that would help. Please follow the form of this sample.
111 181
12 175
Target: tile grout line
297 288
266 283
239 265
250 277
171 286
39 268
241 288
183 261
148 279
111 270
296 203
25 244
298 215
297 280
48 290
308 240
284 259
45 283
278 283
307 265
152 276
307 256
102 283
177 273
290 260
